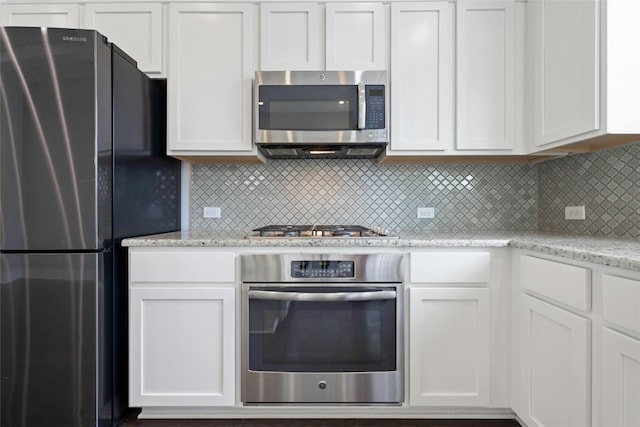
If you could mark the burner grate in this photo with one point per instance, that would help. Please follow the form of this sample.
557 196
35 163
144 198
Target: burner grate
317 231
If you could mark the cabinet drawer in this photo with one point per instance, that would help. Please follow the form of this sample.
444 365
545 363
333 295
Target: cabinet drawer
182 266
620 301
450 267
564 283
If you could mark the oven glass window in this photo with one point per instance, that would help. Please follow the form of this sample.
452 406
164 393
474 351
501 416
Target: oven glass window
322 336
328 107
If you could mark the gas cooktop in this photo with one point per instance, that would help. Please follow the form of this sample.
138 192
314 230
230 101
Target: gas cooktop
317 231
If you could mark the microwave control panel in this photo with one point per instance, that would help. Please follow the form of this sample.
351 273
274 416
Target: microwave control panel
374 97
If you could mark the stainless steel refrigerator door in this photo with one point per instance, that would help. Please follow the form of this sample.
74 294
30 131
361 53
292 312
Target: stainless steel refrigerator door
55 139
49 339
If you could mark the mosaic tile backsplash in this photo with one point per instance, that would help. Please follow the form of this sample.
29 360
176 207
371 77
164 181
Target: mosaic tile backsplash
607 183
466 197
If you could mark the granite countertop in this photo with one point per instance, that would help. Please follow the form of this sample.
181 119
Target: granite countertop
620 253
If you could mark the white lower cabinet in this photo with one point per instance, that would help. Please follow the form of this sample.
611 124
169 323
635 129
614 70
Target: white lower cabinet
552 343
620 379
620 368
449 346
182 327
576 343
556 366
182 346
458 328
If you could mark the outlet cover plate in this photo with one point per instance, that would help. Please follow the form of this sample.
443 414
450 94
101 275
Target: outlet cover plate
211 212
574 213
424 212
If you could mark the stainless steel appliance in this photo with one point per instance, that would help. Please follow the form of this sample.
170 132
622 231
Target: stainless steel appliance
318 230
321 114
81 168
322 328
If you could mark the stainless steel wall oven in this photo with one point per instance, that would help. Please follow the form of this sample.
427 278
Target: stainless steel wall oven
322 328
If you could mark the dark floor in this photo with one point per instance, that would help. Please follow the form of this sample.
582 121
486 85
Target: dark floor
133 422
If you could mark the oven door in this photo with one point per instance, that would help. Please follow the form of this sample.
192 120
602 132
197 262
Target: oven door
322 343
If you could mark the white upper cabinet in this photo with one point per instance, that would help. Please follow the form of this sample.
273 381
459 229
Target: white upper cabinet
564 65
289 36
135 27
60 15
422 77
209 79
455 78
356 36
584 63
486 75
335 36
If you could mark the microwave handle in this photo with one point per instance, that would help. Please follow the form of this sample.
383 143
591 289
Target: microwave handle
362 106
326 297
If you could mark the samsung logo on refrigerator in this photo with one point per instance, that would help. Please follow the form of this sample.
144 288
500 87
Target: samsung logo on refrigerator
73 39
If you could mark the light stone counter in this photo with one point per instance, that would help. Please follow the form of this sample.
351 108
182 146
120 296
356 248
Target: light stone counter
620 253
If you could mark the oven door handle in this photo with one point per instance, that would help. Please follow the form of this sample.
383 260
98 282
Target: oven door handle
328 296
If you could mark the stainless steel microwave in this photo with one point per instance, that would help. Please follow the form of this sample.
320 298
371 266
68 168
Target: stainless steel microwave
321 114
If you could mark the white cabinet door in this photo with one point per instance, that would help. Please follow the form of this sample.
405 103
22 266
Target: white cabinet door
60 15
135 27
289 36
556 366
357 36
564 50
182 346
209 79
485 75
620 380
449 346
422 76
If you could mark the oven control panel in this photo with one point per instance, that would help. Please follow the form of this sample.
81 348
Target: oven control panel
322 269
309 267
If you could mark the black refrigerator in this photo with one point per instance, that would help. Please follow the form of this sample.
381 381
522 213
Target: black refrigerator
82 166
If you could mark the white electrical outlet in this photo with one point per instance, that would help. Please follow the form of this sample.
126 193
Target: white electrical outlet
211 212
574 213
424 212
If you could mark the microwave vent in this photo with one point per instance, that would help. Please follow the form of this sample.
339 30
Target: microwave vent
363 152
281 152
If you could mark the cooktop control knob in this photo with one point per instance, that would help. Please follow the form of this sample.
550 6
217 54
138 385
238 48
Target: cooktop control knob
322 385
